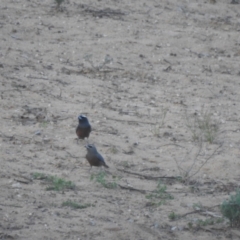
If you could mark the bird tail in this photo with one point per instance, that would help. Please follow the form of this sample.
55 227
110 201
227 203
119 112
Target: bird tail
105 165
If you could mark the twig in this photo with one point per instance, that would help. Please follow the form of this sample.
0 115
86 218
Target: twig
179 167
211 214
195 159
206 161
25 179
184 215
71 154
10 205
145 176
134 121
172 144
43 78
133 189
202 211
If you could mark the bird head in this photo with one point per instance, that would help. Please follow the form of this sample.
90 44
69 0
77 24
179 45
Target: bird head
81 117
91 148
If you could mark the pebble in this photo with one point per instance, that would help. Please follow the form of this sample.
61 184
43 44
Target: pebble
16 185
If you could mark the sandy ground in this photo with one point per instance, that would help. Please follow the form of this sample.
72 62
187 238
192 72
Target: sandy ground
141 71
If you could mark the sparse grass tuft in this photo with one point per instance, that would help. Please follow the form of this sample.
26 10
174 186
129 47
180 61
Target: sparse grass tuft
187 172
125 164
173 216
155 128
54 183
197 206
101 178
75 205
40 176
209 221
231 209
159 193
44 124
113 150
206 222
59 2
203 127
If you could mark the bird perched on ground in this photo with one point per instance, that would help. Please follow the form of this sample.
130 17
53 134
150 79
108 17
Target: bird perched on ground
94 158
84 128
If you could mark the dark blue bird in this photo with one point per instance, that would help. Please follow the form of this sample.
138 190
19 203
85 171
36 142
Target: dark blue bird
94 158
84 128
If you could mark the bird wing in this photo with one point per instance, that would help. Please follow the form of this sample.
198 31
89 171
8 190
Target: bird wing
84 125
99 156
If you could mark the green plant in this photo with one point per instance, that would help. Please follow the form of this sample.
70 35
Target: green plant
54 183
219 220
173 216
75 205
159 193
107 60
44 124
125 164
113 150
190 225
38 175
197 206
209 221
231 209
203 126
101 178
200 223
59 2
155 128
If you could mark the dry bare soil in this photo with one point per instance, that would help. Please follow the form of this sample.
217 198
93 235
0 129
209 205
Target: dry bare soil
159 82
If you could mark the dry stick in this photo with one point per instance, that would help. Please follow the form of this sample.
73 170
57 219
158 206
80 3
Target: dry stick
145 176
198 153
42 78
71 155
22 181
10 205
236 130
123 120
92 94
143 191
179 167
21 176
9 90
170 144
206 161
184 215
201 210
195 160
211 214
133 189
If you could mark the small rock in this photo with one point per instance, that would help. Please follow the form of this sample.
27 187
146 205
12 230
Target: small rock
92 223
38 132
16 185
156 225
173 228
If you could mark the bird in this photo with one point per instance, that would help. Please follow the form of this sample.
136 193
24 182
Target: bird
84 128
94 157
